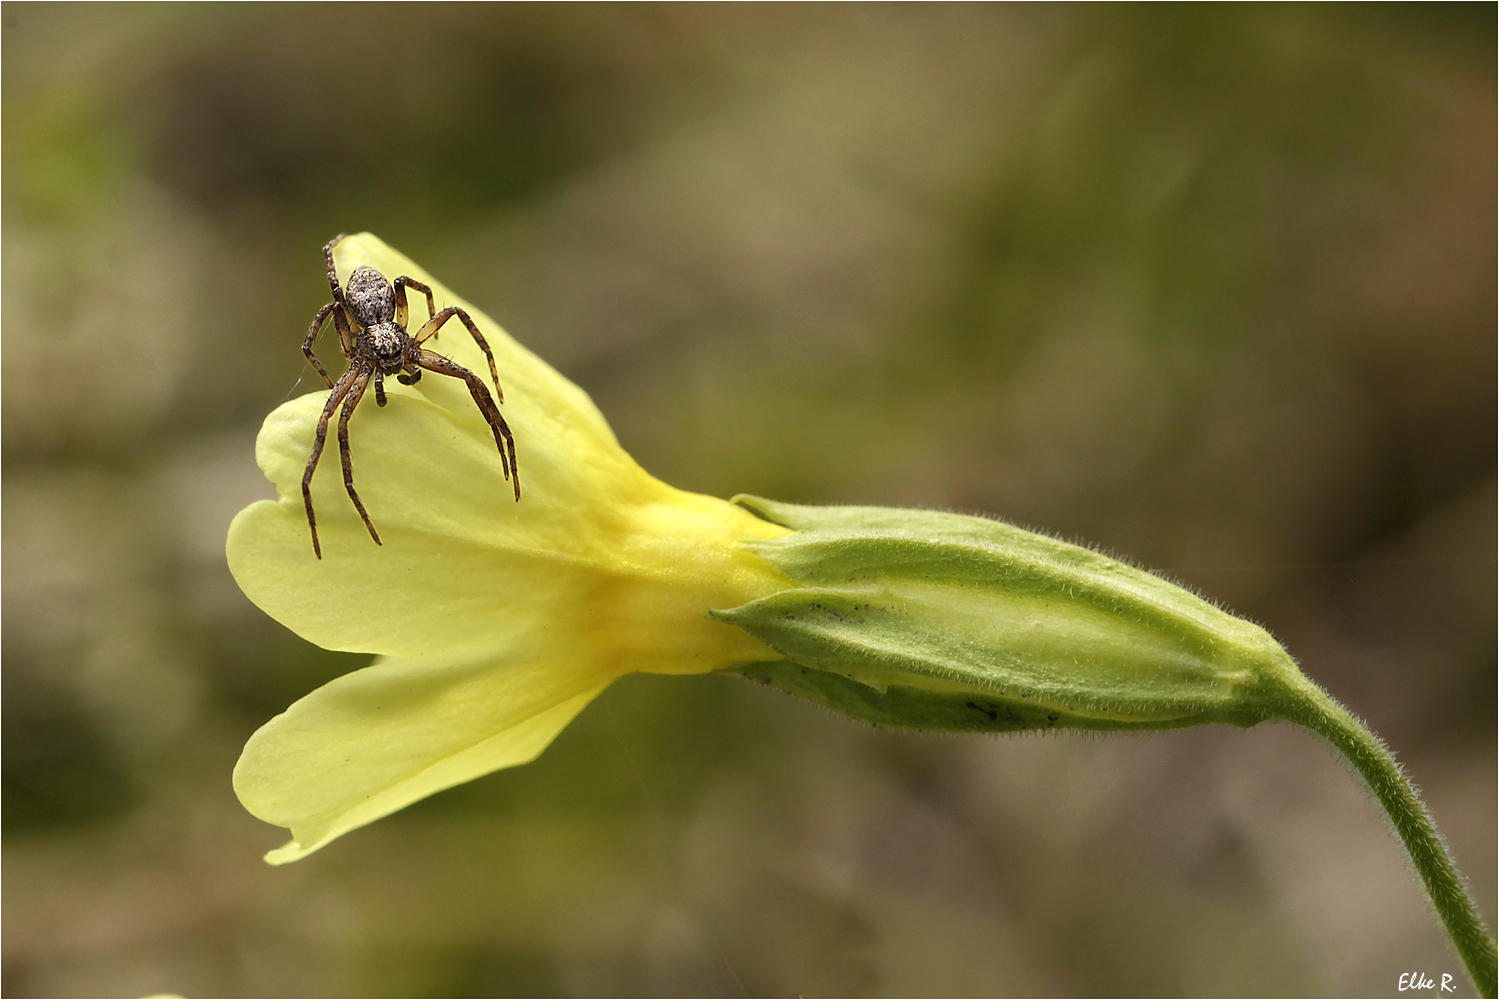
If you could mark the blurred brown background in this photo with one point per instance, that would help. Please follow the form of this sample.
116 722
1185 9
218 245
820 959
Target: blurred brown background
1213 287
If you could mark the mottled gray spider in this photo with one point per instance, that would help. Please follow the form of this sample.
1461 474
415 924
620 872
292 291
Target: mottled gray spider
371 321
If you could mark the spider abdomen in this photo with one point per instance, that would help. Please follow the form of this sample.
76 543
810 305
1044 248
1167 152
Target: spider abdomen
371 299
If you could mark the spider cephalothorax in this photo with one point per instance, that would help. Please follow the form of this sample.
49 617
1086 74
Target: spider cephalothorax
371 316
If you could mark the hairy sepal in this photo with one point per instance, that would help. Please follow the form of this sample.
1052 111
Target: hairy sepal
944 622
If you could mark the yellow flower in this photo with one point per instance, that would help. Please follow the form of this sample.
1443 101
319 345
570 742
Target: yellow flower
495 621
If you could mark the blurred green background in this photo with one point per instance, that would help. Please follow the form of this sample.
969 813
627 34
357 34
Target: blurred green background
1213 287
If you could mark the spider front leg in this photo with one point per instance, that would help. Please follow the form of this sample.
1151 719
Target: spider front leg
317 328
345 339
338 292
341 314
355 394
402 313
319 439
435 323
486 404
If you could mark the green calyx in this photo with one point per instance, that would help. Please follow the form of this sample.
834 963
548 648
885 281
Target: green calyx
943 622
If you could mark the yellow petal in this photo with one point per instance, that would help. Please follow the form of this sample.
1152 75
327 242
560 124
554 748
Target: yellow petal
462 561
383 737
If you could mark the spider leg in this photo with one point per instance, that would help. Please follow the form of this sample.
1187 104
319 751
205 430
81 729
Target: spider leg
435 323
317 328
477 389
345 331
321 438
341 310
380 389
338 292
356 392
402 313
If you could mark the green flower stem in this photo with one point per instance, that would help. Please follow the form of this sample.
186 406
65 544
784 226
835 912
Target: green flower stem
1308 705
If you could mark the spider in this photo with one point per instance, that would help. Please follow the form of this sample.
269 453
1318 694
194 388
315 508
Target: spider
371 320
